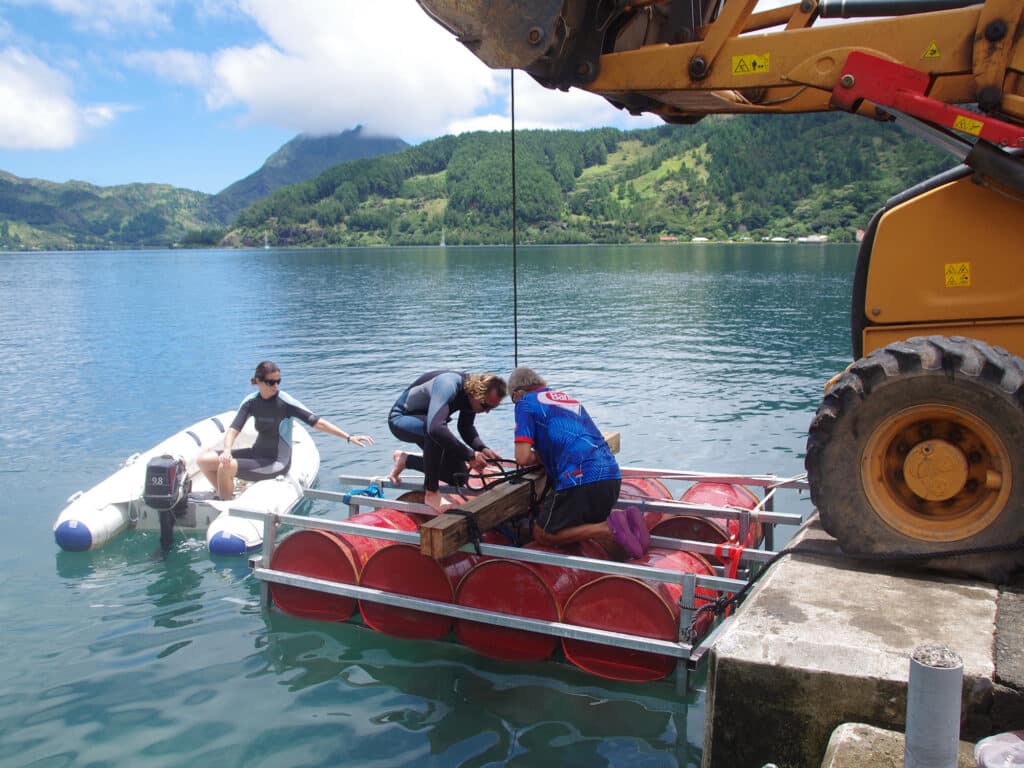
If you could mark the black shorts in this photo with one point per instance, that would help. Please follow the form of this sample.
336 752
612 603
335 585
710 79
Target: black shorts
579 505
255 468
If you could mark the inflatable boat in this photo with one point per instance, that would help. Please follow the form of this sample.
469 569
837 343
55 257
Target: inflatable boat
163 489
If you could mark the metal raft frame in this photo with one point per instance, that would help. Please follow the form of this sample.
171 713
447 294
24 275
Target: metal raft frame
689 654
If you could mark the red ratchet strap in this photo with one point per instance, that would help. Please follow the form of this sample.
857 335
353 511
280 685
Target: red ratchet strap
731 556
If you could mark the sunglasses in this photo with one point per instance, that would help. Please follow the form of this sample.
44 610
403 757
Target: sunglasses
272 382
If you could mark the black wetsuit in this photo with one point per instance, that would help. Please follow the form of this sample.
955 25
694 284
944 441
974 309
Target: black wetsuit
271 454
421 416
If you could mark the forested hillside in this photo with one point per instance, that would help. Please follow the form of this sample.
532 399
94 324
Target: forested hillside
724 178
37 214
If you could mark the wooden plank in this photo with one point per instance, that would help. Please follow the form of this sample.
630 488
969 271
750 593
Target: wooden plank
613 439
446 533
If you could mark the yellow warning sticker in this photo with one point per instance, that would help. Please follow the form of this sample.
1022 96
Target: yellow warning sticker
752 64
932 51
967 125
958 275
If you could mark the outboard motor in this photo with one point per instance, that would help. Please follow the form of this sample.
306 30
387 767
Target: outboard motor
166 489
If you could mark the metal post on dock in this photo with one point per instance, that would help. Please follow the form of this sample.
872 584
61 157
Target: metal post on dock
933 707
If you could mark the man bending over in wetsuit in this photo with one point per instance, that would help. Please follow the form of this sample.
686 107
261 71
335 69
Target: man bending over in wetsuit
421 415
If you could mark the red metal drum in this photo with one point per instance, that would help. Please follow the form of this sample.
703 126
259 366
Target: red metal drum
638 488
727 495
716 530
402 570
637 607
331 556
531 590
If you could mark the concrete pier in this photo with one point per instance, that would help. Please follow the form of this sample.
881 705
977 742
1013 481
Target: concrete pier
824 640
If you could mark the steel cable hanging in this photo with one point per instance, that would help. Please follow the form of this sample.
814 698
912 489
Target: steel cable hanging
515 255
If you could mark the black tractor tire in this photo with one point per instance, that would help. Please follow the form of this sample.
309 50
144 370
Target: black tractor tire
882 419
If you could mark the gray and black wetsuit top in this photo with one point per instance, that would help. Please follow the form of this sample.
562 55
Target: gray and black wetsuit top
436 396
271 454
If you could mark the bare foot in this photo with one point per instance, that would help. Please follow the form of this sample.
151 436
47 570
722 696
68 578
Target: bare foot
436 501
396 471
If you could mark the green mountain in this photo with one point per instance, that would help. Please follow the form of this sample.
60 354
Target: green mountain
45 215
36 214
723 178
300 159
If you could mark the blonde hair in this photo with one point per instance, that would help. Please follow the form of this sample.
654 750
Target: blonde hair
477 385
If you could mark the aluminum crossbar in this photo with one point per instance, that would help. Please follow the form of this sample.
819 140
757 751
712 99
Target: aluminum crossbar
572 631
645 505
509 553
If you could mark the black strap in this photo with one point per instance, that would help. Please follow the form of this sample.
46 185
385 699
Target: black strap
474 529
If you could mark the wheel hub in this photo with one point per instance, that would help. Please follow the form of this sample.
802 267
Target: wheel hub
935 470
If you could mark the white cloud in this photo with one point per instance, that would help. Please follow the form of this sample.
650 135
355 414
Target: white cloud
174 65
326 66
36 109
106 16
102 114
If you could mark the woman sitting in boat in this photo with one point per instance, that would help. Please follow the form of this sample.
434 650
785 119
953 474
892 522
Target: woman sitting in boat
272 410
421 415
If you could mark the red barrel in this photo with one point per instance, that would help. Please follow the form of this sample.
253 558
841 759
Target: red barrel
402 570
637 607
331 556
531 590
639 488
716 530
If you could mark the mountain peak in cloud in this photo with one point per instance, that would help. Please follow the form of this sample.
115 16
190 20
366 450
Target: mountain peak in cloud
304 157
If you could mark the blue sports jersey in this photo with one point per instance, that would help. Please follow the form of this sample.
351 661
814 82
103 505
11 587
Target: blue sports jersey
566 439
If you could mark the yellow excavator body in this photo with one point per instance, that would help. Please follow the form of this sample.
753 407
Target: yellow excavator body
946 262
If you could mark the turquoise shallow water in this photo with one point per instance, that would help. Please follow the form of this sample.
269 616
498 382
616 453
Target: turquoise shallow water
703 357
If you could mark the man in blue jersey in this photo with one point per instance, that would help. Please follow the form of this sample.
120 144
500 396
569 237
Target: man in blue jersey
554 429
421 415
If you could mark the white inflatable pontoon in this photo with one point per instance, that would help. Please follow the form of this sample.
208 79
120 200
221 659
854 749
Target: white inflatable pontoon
148 493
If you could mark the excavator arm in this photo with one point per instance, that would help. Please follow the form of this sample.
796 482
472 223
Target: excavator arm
683 59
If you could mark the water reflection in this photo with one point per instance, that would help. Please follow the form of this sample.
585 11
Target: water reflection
473 711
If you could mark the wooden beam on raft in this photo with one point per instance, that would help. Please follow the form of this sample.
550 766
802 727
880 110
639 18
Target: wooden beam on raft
445 534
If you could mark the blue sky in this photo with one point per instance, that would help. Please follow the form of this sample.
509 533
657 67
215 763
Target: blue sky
197 94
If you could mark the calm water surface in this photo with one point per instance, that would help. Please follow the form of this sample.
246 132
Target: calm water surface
703 357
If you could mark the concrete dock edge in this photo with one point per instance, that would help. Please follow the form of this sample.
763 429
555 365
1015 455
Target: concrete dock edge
823 640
